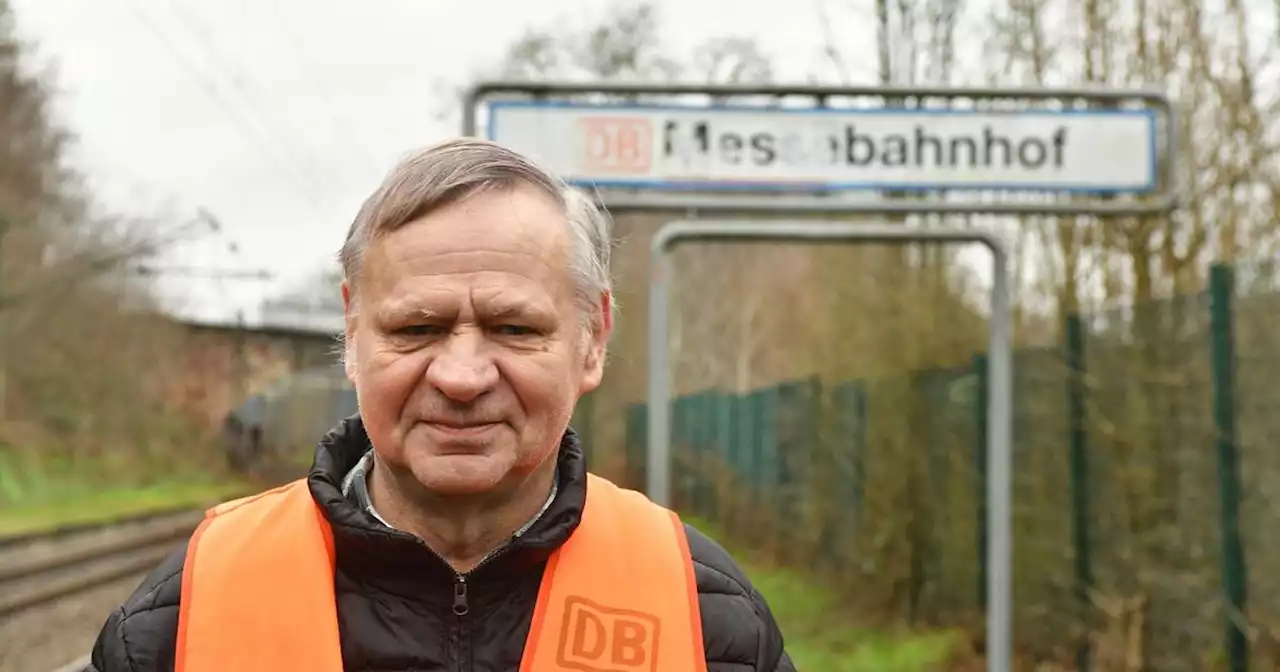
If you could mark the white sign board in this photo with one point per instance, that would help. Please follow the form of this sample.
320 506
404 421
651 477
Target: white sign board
759 148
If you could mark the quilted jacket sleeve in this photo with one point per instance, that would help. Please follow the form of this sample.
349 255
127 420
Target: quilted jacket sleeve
141 635
739 632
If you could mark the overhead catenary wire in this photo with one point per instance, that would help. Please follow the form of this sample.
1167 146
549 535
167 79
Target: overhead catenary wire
240 82
248 120
304 181
323 87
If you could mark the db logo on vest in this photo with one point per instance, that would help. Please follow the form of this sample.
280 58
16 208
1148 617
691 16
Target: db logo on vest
595 638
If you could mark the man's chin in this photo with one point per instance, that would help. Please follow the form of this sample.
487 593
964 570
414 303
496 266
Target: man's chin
460 474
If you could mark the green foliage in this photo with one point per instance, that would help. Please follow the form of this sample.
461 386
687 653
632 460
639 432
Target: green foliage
820 634
89 502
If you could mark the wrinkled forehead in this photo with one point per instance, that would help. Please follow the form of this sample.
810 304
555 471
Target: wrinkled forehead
490 299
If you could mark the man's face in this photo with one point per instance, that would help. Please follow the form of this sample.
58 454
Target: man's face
470 351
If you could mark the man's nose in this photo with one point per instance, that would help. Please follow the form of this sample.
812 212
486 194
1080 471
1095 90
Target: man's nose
461 369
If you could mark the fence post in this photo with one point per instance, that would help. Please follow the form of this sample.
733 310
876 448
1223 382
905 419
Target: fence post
787 442
679 452
860 438
719 458
1078 466
703 434
756 409
739 458
847 455
740 436
980 466
769 441
813 417
1221 295
583 422
637 440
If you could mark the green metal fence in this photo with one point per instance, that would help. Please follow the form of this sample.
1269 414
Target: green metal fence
1131 438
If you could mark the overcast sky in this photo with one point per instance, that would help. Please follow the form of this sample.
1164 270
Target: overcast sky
280 116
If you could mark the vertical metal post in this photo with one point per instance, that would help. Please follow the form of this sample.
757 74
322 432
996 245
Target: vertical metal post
1078 464
1000 468
982 464
658 457
1234 575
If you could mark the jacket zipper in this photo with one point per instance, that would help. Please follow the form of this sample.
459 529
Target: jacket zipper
466 657
462 606
461 603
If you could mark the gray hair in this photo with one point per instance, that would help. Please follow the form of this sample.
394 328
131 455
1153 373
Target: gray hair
434 177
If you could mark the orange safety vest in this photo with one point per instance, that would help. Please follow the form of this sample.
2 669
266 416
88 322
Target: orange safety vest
619 595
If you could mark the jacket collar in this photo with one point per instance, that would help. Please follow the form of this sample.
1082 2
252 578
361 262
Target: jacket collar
355 487
399 561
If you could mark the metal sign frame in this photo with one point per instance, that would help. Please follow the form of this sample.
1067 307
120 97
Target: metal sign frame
690 206
999 379
732 204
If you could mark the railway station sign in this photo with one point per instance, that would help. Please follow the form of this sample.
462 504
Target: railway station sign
753 149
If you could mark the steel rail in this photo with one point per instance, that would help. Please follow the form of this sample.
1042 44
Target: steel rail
29 583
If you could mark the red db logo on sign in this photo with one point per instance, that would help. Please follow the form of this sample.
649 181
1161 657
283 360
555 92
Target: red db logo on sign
595 638
616 144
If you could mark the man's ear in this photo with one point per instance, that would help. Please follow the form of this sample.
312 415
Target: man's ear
597 344
349 331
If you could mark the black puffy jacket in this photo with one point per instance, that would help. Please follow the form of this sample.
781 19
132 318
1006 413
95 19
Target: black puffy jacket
395 596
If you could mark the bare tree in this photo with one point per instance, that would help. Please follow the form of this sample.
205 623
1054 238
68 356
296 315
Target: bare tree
1147 373
83 351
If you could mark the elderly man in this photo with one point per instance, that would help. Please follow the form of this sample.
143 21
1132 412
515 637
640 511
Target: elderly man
452 524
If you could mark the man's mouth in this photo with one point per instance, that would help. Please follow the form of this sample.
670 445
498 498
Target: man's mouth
461 429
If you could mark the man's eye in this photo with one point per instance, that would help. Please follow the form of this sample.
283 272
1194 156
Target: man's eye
418 330
513 330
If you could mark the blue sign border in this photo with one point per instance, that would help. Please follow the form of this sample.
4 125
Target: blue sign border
1150 187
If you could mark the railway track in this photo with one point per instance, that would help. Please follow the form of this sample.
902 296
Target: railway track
38 569
42 567
52 582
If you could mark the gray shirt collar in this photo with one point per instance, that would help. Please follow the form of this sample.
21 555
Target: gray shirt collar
355 487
